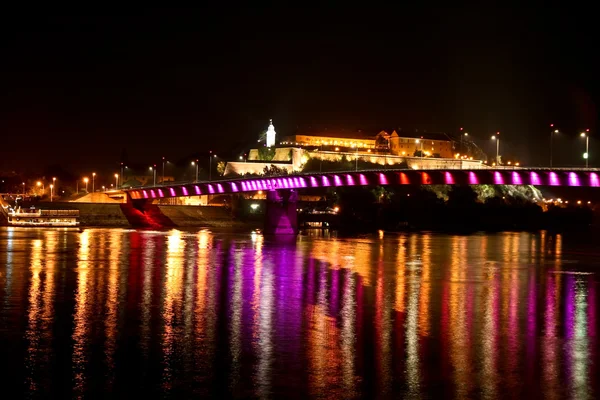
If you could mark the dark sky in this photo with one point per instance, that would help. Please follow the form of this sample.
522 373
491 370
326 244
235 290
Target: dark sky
77 89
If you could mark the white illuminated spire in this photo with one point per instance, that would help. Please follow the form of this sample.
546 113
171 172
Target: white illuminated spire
271 134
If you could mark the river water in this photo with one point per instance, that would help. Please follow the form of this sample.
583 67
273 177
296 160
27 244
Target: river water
114 312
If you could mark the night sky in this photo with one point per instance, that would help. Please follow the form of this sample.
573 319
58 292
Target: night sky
77 89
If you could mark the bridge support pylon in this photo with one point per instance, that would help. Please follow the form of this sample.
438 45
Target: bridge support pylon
281 217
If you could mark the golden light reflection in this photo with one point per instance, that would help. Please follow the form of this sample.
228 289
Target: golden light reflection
172 302
354 255
266 311
348 337
205 306
413 365
114 248
33 316
400 275
235 337
425 293
83 306
383 325
489 336
324 354
147 264
459 313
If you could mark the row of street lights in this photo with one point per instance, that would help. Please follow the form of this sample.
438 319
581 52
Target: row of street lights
210 158
194 163
86 180
585 135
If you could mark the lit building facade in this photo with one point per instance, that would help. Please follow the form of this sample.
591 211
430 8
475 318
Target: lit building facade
333 140
408 145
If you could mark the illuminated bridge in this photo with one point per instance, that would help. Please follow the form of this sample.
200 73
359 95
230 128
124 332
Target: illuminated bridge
282 190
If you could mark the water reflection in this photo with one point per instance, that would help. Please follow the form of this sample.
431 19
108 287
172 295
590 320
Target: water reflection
202 313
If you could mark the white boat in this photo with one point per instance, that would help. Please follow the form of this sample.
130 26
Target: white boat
43 218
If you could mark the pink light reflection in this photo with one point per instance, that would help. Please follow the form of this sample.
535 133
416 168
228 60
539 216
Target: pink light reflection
554 179
498 180
234 187
449 178
534 178
574 179
211 189
516 178
594 179
184 190
363 180
473 178
382 179
220 188
326 181
160 193
152 194
197 189
313 182
350 180
172 192
145 194
337 180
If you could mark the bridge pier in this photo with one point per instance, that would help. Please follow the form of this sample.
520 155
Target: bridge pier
281 217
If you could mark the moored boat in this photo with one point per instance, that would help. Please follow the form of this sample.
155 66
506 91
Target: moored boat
43 218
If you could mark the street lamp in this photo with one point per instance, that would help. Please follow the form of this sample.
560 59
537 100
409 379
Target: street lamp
163 171
86 180
154 170
93 182
196 164
116 181
210 157
497 139
551 140
103 188
23 189
420 141
122 172
51 193
586 155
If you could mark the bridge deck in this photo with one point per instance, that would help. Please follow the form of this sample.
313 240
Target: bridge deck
501 176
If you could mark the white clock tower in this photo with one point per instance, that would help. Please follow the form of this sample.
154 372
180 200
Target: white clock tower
271 134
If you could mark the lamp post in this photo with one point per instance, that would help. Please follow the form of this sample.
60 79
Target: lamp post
210 157
116 181
93 182
586 155
122 172
496 137
163 171
103 188
38 183
51 193
421 142
196 164
153 169
552 132
86 180
23 189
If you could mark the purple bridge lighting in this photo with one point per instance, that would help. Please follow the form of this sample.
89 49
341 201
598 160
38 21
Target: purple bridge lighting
538 177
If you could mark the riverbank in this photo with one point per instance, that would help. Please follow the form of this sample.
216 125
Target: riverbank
115 215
